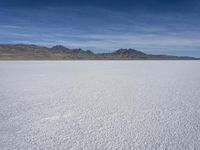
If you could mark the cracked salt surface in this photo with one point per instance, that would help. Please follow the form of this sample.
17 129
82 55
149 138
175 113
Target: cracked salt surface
99 105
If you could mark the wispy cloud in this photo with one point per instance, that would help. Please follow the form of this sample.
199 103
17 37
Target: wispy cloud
101 29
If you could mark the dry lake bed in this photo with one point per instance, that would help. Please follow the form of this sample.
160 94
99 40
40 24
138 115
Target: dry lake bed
97 105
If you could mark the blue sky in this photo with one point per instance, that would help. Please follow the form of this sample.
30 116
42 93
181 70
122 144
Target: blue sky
153 26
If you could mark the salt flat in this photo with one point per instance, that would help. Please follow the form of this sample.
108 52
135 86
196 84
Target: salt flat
100 105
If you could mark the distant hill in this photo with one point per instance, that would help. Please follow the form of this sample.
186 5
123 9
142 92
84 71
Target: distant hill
59 52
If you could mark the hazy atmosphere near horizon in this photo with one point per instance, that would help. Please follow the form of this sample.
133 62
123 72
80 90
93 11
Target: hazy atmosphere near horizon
152 26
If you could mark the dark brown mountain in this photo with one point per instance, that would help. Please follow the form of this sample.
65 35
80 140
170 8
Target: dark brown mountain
59 52
34 52
123 54
132 54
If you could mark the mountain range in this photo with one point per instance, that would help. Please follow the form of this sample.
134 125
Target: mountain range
59 52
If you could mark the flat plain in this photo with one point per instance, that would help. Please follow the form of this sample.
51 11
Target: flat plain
147 105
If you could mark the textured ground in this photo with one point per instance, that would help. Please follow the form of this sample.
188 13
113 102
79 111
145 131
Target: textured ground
100 105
